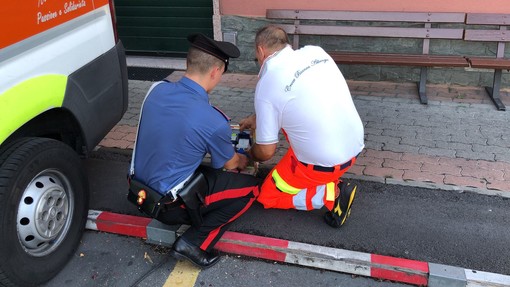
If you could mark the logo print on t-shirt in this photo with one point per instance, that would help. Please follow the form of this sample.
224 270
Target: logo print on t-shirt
299 72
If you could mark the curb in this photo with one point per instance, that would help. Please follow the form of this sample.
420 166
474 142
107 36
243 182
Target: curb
352 262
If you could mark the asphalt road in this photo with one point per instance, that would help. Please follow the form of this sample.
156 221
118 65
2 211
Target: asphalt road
107 260
447 227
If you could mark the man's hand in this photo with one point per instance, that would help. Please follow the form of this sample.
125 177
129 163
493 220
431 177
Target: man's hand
244 161
238 161
248 123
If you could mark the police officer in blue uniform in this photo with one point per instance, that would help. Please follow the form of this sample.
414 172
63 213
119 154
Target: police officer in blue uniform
178 127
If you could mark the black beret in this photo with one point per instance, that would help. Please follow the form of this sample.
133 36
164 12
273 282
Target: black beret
219 49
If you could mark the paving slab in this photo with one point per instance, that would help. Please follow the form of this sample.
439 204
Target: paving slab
454 142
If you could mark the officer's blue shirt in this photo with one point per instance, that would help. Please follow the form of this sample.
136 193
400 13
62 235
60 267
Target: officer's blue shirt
177 129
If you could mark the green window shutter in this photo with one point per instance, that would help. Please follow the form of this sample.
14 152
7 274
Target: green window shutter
161 26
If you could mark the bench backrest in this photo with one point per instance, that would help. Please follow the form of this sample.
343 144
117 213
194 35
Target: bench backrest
425 32
500 36
424 17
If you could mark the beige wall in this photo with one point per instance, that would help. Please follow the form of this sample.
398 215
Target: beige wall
258 8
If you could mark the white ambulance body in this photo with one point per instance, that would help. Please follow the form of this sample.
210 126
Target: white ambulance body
63 86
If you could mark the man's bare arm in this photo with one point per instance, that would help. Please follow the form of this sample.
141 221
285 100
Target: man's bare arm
259 152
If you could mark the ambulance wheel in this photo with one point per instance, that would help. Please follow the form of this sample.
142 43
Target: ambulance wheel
43 209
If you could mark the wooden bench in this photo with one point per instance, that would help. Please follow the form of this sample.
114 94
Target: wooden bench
498 34
412 25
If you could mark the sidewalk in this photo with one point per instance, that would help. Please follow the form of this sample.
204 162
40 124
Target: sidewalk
459 141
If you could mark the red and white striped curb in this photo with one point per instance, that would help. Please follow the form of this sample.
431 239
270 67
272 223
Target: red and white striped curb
357 263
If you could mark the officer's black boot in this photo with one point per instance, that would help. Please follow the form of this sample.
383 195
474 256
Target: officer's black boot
185 250
342 207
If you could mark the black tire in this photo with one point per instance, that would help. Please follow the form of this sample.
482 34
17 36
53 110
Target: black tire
43 209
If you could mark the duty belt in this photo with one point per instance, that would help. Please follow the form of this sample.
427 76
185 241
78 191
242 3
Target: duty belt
328 168
173 191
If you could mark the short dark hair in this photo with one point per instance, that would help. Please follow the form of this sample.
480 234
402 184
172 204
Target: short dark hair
272 37
200 62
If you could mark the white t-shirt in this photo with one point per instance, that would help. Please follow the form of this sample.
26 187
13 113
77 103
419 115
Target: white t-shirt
304 93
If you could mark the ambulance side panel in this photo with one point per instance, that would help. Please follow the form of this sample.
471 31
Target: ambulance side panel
71 70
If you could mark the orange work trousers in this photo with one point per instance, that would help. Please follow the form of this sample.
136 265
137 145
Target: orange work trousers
301 177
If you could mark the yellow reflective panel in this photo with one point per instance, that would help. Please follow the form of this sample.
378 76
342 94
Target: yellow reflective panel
29 99
282 185
330 191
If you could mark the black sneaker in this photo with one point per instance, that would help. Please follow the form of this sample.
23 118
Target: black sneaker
343 203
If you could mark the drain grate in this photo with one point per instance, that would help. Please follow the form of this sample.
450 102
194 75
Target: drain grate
148 74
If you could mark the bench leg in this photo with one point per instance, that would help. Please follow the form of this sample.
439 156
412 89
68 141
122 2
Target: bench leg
494 91
422 86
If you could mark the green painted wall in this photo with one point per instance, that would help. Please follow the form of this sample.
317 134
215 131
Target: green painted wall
161 26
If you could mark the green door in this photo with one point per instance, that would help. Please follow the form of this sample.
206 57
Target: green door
161 26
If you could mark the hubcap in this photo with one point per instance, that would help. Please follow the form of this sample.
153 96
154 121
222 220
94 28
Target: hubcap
45 212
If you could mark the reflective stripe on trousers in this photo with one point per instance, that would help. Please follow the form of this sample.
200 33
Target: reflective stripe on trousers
303 198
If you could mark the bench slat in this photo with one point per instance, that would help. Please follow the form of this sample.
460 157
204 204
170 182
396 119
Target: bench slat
489 63
488 19
487 35
421 17
398 59
401 32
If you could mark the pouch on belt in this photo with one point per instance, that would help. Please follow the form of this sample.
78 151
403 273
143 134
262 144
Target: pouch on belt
152 202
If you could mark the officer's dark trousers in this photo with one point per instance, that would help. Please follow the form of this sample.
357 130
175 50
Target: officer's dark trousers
229 196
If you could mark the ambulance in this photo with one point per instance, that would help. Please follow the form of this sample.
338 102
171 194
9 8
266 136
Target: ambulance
63 86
